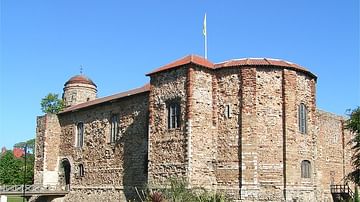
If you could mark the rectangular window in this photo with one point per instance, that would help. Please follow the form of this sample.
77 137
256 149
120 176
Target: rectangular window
173 115
114 128
80 134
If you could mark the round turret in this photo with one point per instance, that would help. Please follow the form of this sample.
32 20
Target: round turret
79 89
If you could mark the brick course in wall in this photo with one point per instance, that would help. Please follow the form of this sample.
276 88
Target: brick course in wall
238 134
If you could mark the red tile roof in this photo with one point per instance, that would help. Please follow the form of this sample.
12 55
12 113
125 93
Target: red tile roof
18 152
193 59
263 62
80 79
142 89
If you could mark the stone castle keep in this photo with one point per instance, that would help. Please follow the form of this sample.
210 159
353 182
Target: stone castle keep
247 127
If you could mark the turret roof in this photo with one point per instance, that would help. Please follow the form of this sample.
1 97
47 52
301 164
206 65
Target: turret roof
80 79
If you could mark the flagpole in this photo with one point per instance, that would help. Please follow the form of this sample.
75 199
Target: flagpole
205 35
205 46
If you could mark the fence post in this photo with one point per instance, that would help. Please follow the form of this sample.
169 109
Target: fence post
3 198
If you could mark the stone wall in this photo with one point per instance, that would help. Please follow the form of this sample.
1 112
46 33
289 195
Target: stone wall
203 145
269 132
78 93
299 88
39 150
249 137
119 164
333 151
264 112
228 130
95 194
239 134
167 147
47 149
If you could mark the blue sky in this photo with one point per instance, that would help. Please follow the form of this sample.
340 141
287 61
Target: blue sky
43 44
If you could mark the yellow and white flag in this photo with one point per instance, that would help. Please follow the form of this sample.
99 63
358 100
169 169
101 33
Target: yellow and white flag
204 26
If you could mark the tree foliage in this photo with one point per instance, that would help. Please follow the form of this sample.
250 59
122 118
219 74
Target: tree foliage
30 145
52 104
12 169
353 124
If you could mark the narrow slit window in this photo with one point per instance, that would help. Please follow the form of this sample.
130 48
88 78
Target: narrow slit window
81 170
114 130
302 118
227 111
80 134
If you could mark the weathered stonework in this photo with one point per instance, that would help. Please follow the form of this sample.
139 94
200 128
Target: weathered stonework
78 89
167 147
239 134
47 150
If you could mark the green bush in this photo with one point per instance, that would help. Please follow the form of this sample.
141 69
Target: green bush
177 191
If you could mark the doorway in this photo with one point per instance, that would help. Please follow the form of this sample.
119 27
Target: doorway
66 171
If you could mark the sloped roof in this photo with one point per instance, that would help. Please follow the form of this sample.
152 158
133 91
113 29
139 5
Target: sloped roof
190 59
97 101
263 62
198 60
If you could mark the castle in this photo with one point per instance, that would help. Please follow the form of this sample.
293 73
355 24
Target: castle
246 127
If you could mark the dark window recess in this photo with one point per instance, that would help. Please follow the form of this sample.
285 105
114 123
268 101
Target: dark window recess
227 111
305 169
173 115
80 134
302 118
114 128
81 170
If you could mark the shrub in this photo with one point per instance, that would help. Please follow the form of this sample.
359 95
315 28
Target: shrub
178 192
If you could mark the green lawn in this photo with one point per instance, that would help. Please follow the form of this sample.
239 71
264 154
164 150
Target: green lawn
14 199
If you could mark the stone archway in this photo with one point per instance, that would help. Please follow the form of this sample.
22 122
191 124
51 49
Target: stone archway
65 173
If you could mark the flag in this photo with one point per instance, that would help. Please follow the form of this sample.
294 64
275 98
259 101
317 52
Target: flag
204 26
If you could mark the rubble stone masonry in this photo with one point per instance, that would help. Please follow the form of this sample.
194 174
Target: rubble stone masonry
168 147
238 134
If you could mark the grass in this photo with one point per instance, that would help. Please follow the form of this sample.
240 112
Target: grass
15 199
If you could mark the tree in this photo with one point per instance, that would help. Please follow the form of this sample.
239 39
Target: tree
353 124
52 104
10 169
30 145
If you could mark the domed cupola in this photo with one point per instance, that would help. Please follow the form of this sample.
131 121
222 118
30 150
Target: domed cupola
79 89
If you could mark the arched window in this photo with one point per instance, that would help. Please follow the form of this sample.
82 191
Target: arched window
114 128
305 169
302 118
81 170
80 134
173 115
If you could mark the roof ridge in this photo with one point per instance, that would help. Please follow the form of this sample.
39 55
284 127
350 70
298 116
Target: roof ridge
108 98
192 58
